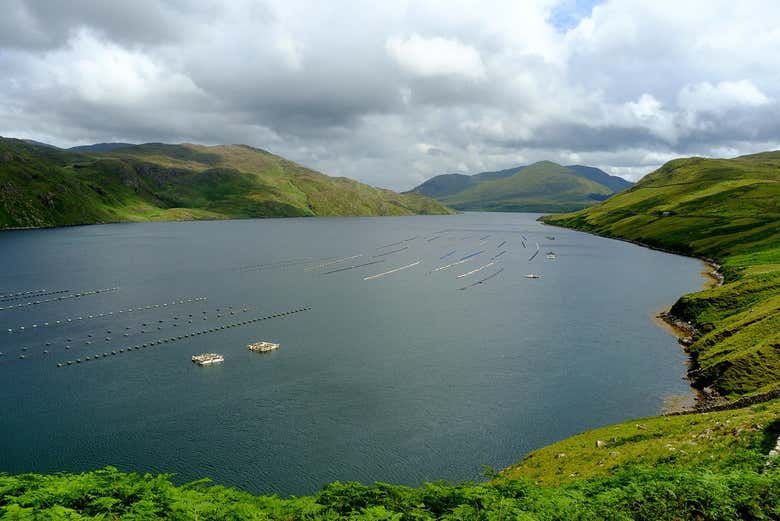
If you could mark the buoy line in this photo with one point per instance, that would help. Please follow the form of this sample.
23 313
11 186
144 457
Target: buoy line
378 275
29 352
411 238
172 339
448 266
483 280
58 299
41 294
434 238
331 263
535 253
353 267
279 264
476 270
26 292
447 255
485 237
390 252
497 255
502 243
470 255
388 245
74 319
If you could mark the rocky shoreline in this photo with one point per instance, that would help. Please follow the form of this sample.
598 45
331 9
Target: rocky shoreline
687 333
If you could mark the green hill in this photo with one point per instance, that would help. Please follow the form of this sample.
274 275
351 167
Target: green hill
727 210
44 186
540 187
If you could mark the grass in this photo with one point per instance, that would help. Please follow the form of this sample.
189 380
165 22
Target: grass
41 186
713 442
723 209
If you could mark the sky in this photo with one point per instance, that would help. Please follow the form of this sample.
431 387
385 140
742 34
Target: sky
392 93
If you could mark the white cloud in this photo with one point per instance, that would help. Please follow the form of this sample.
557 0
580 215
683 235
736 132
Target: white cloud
105 74
725 95
436 56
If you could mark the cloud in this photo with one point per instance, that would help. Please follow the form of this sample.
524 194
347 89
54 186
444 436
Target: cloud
430 57
723 96
394 92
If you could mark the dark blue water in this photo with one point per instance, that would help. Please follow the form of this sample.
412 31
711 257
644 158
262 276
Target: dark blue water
403 378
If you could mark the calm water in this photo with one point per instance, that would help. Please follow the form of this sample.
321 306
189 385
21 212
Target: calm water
402 378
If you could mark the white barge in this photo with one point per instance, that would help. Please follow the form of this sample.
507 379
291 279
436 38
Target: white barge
262 347
204 359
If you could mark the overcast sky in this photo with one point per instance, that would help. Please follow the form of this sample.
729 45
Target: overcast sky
392 93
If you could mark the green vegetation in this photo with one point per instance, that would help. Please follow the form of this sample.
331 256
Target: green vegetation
727 210
641 493
541 187
43 186
722 441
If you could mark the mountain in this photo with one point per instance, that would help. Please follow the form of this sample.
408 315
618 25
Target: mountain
43 186
540 187
100 147
613 182
727 210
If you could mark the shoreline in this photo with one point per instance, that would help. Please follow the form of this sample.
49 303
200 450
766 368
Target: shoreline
705 398
214 219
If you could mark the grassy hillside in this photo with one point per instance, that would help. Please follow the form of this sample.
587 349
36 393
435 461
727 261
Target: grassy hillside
727 210
42 186
714 442
541 187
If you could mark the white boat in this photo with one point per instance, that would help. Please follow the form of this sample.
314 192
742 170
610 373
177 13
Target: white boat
533 276
262 347
551 256
207 359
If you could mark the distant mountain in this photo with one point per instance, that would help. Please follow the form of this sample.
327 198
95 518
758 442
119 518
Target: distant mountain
541 187
100 147
613 182
44 186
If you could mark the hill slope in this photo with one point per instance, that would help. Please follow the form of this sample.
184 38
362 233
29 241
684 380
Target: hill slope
41 186
542 187
728 210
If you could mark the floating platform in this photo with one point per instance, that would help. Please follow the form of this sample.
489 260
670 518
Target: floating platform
263 347
205 359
